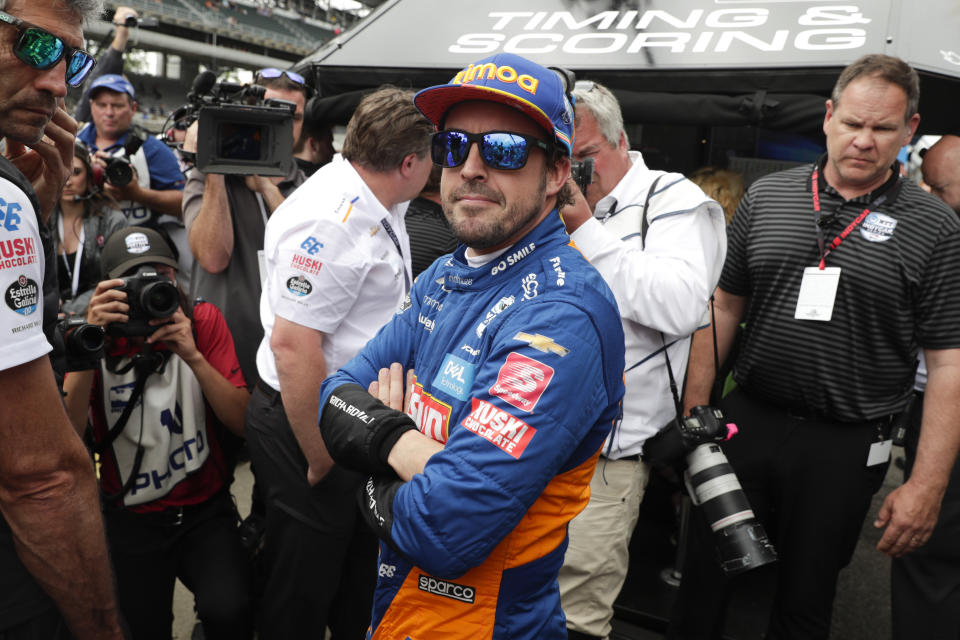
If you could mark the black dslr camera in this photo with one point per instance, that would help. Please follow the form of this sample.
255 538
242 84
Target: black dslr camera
692 442
240 132
582 173
150 296
82 343
119 171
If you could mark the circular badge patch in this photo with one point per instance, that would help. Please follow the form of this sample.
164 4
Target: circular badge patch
23 296
299 286
137 243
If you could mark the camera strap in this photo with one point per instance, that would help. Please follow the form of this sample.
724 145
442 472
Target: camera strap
144 364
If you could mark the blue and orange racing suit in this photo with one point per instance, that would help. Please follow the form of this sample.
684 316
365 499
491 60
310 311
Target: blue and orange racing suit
519 367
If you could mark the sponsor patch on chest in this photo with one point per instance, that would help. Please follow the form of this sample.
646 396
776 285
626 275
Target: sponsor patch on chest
521 381
507 432
455 377
431 415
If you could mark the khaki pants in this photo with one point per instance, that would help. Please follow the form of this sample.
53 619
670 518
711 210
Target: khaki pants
596 562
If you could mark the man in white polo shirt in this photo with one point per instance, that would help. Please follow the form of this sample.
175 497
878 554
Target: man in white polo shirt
338 267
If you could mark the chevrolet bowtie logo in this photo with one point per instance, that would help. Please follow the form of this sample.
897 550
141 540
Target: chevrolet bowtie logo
542 343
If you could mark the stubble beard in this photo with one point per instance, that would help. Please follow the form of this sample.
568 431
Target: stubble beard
473 230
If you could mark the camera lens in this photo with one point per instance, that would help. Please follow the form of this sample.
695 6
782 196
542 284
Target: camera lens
119 172
160 299
87 338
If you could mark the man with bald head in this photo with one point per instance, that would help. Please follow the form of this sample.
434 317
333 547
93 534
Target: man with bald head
52 546
941 170
925 584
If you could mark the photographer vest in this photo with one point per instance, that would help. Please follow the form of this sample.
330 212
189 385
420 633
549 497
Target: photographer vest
168 423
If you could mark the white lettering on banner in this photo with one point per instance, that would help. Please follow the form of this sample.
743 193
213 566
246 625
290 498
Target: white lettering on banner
509 433
676 31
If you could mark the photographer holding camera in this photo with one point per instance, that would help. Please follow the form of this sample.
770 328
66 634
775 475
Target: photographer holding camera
226 216
155 186
159 401
659 243
81 223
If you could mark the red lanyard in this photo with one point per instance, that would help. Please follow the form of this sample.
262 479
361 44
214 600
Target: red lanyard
825 251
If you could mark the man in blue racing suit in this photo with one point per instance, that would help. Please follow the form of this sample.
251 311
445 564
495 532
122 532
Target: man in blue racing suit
516 346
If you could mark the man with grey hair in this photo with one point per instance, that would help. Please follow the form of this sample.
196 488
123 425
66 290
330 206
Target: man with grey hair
52 546
843 272
659 243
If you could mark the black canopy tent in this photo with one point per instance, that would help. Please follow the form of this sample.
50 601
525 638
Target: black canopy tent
768 63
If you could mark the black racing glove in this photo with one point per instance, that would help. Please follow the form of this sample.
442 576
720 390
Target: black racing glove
360 431
376 504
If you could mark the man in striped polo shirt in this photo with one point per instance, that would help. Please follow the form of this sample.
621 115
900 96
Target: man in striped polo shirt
842 272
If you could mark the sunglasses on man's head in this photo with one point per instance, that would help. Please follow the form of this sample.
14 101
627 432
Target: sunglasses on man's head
499 149
42 50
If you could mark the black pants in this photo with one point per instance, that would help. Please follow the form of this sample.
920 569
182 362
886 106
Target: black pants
319 557
202 548
809 485
925 584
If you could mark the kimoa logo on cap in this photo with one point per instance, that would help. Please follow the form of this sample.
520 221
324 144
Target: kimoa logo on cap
137 243
505 74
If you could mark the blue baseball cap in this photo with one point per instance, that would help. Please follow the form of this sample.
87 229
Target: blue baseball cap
113 82
509 79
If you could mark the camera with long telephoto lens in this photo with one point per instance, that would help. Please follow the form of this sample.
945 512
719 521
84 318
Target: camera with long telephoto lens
693 442
119 171
582 173
150 296
240 132
82 343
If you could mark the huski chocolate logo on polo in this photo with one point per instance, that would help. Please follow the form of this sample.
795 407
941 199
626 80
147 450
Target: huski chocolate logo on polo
23 296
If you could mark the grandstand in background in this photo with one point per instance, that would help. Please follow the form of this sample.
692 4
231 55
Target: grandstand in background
190 35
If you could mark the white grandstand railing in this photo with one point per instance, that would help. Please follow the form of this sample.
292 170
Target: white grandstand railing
188 16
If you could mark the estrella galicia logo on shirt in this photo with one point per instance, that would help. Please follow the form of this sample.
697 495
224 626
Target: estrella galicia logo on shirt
455 377
508 432
299 286
23 296
878 227
452 590
521 381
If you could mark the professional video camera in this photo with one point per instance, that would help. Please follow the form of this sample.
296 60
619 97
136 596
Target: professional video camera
240 132
82 342
150 296
742 542
119 171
